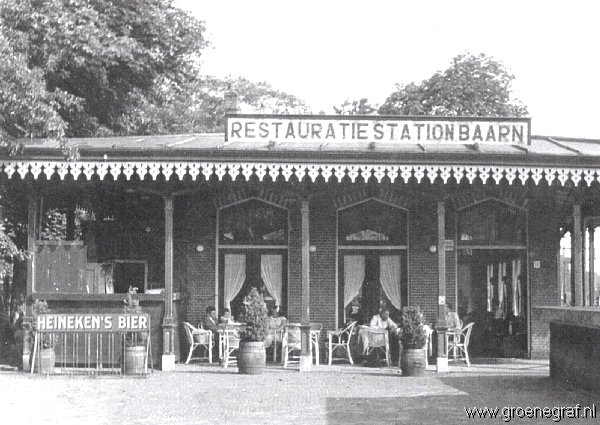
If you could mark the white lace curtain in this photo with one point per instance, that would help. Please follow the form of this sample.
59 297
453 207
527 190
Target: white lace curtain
502 292
389 276
271 270
354 274
490 287
235 275
516 287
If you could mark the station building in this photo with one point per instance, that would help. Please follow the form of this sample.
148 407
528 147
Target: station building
324 214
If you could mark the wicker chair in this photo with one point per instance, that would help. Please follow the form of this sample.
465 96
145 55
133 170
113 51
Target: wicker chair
340 339
458 343
291 345
231 345
198 338
379 341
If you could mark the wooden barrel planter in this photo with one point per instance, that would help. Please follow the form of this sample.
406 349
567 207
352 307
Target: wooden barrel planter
251 357
413 362
45 358
135 360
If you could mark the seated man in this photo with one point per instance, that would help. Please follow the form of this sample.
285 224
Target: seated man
209 322
452 320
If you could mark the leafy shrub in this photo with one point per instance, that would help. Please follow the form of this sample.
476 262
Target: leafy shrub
256 316
412 333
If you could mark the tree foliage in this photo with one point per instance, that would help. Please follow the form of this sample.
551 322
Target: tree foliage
76 68
198 106
473 85
85 64
356 107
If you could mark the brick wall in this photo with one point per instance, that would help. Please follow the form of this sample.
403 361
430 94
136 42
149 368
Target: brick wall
199 277
322 262
194 272
544 241
295 264
423 271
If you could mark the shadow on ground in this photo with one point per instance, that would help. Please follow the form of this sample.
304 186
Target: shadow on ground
476 391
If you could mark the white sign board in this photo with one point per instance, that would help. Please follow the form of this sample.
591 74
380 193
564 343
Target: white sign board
427 130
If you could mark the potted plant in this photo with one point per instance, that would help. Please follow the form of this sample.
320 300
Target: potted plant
45 357
252 355
135 342
413 337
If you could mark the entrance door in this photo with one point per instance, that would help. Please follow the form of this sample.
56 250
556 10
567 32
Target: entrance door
253 250
372 265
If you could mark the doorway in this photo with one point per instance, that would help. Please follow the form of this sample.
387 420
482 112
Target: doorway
370 280
241 270
492 293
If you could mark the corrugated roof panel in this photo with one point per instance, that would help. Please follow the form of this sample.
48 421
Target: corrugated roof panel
588 148
546 147
540 145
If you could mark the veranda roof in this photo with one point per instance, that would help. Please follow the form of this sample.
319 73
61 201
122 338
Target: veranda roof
197 155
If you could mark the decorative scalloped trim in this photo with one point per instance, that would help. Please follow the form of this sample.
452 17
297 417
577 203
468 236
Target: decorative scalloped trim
330 173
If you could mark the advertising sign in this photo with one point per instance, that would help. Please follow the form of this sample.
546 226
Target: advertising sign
71 322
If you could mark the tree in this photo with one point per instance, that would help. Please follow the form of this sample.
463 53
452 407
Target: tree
197 106
27 108
125 67
471 86
356 107
89 63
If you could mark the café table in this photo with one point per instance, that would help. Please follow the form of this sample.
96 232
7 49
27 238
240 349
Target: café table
315 335
223 329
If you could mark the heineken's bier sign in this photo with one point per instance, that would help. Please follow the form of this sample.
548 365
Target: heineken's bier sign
74 322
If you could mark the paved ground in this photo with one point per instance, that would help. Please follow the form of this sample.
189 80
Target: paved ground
341 394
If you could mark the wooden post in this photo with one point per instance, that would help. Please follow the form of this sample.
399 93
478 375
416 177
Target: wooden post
169 324
584 261
441 327
31 237
577 257
592 269
305 357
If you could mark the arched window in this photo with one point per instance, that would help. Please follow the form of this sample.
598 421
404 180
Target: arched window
253 223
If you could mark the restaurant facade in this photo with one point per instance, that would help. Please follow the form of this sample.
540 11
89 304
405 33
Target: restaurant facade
325 215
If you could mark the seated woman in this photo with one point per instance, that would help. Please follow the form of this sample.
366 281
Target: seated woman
380 321
226 317
276 324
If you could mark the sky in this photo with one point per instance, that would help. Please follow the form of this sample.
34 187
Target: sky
327 51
